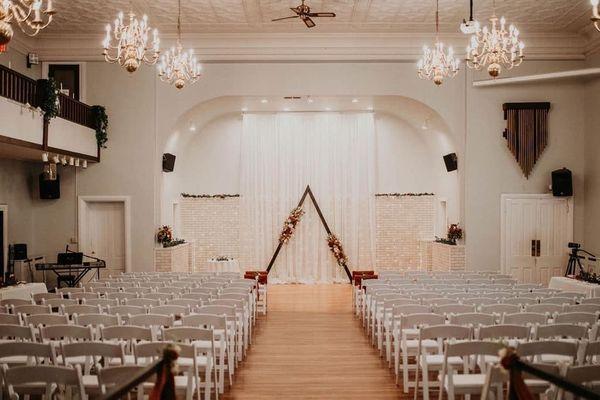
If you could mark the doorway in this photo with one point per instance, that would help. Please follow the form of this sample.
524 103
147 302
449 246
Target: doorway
104 231
536 230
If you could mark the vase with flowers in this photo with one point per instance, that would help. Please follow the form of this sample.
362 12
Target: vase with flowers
455 233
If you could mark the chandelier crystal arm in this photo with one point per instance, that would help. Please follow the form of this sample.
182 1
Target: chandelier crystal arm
29 15
596 14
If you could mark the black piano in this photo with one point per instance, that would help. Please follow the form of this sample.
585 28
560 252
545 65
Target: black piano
70 268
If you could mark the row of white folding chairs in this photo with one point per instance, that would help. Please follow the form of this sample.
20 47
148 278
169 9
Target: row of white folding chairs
33 313
382 304
406 338
147 327
392 310
197 359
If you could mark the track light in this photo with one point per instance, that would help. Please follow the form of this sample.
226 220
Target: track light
63 160
84 164
45 157
55 159
71 161
77 162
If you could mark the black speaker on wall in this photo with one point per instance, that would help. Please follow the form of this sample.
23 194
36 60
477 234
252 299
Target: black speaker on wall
562 183
49 188
20 251
451 162
168 162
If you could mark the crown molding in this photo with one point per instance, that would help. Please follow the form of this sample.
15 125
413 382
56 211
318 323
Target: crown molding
274 47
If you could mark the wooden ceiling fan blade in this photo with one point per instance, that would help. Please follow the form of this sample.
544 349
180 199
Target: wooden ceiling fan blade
281 19
322 14
309 22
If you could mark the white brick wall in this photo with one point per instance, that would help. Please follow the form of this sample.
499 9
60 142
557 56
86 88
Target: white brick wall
172 259
447 258
401 223
213 226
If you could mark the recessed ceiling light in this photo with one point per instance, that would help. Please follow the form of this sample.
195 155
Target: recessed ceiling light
244 109
370 108
310 100
193 128
264 101
327 108
355 100
286 109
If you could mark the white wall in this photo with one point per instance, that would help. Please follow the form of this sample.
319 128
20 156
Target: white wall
144 113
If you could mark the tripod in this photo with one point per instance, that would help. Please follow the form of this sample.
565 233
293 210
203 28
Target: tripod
574 263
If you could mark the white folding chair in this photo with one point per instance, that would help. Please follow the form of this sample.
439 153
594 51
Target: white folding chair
433 362
466 383
43 379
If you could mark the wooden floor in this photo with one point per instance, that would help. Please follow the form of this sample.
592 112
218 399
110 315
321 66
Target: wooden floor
310 346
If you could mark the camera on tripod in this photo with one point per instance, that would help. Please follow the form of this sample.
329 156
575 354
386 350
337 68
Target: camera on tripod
574 266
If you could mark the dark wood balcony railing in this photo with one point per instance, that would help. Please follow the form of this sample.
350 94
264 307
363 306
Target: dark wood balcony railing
75 111
17 87
22 89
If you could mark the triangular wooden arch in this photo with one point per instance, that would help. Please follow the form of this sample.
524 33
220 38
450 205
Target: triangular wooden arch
309 193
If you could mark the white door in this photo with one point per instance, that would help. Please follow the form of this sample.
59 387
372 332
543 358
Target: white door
520 230
104 235
553 235
536 231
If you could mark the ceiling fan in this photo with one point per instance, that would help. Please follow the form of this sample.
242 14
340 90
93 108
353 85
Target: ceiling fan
303 12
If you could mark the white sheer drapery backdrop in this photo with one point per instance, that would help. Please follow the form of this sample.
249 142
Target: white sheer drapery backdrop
281 154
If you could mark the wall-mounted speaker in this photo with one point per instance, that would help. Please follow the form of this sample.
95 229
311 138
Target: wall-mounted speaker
20 251
451 162
168 162
562 183
49 188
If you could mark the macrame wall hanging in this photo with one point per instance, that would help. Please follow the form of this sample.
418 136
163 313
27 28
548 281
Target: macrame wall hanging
526 132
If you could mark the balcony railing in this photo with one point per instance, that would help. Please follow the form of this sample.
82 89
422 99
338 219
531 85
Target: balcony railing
17 87
22 89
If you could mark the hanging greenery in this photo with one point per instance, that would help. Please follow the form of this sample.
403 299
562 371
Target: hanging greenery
48 98
100 123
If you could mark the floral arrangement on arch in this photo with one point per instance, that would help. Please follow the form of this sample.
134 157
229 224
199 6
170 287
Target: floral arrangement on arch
336 248
289 226
455 232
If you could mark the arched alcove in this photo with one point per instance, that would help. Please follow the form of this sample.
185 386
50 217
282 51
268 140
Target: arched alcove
411 140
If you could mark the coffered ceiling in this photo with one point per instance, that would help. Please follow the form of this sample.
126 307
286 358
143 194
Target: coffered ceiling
398 16
373 30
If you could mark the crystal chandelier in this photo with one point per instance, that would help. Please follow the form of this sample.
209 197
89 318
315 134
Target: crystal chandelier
176 66
28 14
495 47
596 14
131 43
437 64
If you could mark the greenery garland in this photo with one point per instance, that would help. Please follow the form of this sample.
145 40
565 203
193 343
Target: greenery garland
100 123
48 98
208 196
403 194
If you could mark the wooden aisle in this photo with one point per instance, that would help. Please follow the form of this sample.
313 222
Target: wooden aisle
310 346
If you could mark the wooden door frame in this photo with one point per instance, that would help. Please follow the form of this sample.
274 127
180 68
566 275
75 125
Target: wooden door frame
504 198
4 227
83 202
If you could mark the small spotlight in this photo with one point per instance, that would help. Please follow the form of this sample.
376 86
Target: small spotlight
56 159
84 164
264 101
77 162
310 100
327 108
193 128
71 161
244 109
63 160
45 157
370 108
286 109
355 100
